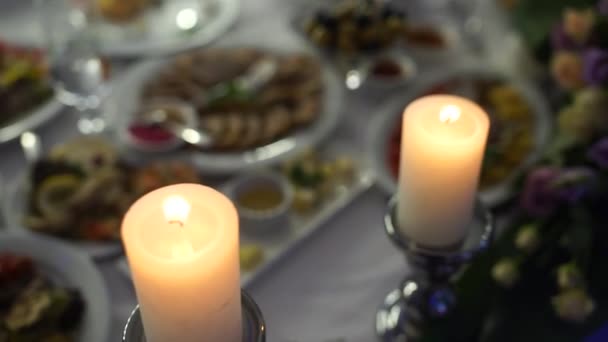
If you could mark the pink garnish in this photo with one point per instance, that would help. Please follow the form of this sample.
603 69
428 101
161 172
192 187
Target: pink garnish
151 134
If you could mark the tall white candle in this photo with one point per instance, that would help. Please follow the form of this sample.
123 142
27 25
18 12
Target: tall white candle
442 147
182 244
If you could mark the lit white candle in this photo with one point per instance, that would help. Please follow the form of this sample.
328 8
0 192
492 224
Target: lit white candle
442 147
182 244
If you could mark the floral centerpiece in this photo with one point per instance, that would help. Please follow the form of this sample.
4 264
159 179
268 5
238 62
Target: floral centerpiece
546 278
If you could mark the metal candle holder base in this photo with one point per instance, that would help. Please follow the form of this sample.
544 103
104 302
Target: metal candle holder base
427 292
254 328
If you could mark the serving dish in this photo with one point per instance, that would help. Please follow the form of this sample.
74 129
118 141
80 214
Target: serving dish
261 249
282 131
79 191
26 97
64 266
156 31
520 119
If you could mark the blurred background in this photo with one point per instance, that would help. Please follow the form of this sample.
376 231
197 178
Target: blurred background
292 109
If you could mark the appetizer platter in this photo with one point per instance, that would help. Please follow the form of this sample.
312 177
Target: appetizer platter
155 27
26 96
376 41
521 124
252 106
132 28
322 184
351 27
292 202
80 190
50 292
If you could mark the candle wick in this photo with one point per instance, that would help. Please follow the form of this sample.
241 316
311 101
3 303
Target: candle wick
179 223
449 114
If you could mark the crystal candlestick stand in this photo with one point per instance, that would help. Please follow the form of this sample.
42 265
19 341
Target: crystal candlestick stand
427 292
254 328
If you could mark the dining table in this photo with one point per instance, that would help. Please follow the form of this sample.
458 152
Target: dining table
328 287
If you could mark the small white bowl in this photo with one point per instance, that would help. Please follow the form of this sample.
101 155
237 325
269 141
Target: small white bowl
262 221
406 64
185 109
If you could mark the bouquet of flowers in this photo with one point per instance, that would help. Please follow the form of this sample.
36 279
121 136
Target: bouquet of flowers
546 277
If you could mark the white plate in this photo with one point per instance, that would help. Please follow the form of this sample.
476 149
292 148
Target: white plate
278 244
68 267
385 119
153 34
30 120
15 208
125 100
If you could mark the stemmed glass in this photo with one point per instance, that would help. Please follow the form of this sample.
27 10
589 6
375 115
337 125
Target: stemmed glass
78 72
467 15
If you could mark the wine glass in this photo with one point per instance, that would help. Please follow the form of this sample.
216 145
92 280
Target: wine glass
78 72
462 16
468 14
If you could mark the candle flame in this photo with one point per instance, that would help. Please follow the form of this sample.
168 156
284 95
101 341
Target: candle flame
176 209
449 114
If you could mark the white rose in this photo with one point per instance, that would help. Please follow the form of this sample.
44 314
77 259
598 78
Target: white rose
573 305
505 272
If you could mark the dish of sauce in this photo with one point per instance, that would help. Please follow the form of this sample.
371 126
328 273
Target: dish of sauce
260 198
387 68
155 133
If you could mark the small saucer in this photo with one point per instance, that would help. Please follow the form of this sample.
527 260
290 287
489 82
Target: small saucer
262 220
402 65
154 138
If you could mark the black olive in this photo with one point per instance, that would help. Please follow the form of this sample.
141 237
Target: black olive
371 46
389 11
325 19
98 160
363 20
72 315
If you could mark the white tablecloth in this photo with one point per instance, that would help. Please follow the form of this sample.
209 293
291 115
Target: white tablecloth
330 286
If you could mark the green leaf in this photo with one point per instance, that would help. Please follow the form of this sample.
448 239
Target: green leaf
580 235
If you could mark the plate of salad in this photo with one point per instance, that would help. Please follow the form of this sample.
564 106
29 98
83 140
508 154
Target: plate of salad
50 292
26 96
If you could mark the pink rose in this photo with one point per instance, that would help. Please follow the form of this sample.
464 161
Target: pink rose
578 24
567 70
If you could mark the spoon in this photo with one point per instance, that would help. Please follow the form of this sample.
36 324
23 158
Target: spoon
3 221
256 77
190 135
260 73
355 71
31 146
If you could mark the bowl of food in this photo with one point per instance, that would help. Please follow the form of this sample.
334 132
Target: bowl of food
263 200
81 189
148 133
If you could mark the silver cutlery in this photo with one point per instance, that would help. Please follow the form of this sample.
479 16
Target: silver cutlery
189 135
